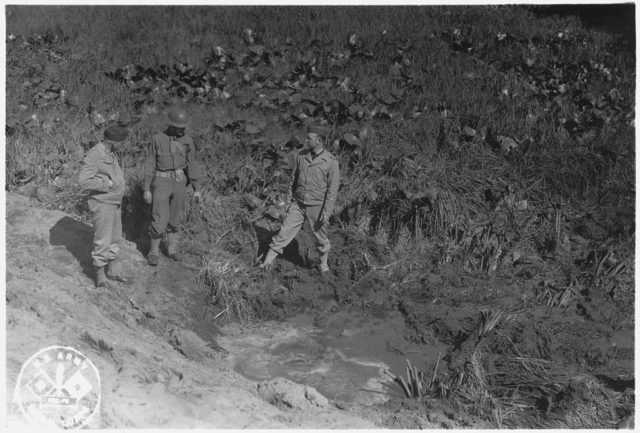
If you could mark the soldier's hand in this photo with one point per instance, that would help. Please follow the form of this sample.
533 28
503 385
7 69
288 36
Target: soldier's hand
197 196
110 182
148 198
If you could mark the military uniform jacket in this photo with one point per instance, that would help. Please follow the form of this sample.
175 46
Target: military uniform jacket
99 167
316 179
170 153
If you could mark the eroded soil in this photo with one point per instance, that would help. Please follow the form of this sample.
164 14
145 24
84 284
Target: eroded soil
152 343
160 347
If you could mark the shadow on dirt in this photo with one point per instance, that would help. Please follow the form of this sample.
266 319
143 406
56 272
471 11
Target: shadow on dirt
618 385
136 215
263 236
290 253
77 237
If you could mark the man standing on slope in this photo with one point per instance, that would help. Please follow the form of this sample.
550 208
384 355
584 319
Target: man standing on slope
170 165
102 177
314 187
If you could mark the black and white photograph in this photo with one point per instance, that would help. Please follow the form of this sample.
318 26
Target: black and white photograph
330 216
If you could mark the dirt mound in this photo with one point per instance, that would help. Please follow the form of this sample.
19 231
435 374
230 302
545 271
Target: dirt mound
152 342
502 330
563 349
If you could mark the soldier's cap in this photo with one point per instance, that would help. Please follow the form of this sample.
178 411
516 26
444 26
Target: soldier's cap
116 133
318 130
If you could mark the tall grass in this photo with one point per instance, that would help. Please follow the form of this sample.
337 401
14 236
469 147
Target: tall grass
427 153
426 188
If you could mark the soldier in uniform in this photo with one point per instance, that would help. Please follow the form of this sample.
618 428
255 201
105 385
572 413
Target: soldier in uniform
170 165
314 187
102 177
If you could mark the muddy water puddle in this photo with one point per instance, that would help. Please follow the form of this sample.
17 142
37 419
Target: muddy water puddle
344 358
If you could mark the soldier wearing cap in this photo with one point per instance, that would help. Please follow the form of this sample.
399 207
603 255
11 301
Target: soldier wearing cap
314 188
102 177
170 165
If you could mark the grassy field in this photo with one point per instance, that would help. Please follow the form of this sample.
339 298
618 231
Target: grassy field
499 141
448 90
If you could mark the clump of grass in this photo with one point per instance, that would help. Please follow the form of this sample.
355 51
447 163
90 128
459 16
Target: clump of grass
514 390
420 180
415 386
520 392
584 402
222 222
232 293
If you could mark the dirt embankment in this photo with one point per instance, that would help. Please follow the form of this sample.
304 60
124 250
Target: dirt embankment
151 342
160 365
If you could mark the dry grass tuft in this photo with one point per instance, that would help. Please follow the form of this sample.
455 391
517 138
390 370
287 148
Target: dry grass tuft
520 392
232 292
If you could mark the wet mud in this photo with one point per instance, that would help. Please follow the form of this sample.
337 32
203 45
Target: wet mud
372 313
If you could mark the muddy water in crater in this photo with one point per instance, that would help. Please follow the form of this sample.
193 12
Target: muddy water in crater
344 357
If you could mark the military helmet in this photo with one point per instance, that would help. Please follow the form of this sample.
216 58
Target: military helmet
178 117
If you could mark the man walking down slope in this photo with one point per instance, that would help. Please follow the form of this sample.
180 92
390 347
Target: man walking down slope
170 165
102 177
314 188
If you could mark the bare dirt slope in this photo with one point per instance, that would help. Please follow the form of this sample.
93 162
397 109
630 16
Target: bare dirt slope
158 361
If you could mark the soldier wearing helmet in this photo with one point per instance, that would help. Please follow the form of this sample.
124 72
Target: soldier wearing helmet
170 165
314 188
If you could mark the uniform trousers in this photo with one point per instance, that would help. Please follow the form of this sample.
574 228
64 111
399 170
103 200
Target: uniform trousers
292 223
169 195
107 231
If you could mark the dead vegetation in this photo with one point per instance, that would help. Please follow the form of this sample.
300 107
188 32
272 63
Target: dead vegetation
511 389
480 139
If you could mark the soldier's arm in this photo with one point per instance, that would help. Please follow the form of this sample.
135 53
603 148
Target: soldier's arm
194 168
333 183
89 179
149 165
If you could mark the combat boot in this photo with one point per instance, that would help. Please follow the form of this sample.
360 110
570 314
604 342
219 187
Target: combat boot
268 260
172 247
101 278
154 252
324 265
115 272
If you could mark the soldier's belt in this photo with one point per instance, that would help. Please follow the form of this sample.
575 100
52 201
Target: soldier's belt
177 174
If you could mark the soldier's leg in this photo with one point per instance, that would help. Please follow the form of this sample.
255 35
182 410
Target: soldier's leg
290 227
321 234
162 190
176 206
102 219
116 234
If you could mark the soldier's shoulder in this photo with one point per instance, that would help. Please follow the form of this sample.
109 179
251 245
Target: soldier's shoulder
330 156
159 135
95 149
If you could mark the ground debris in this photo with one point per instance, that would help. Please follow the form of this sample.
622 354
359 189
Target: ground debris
284 393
